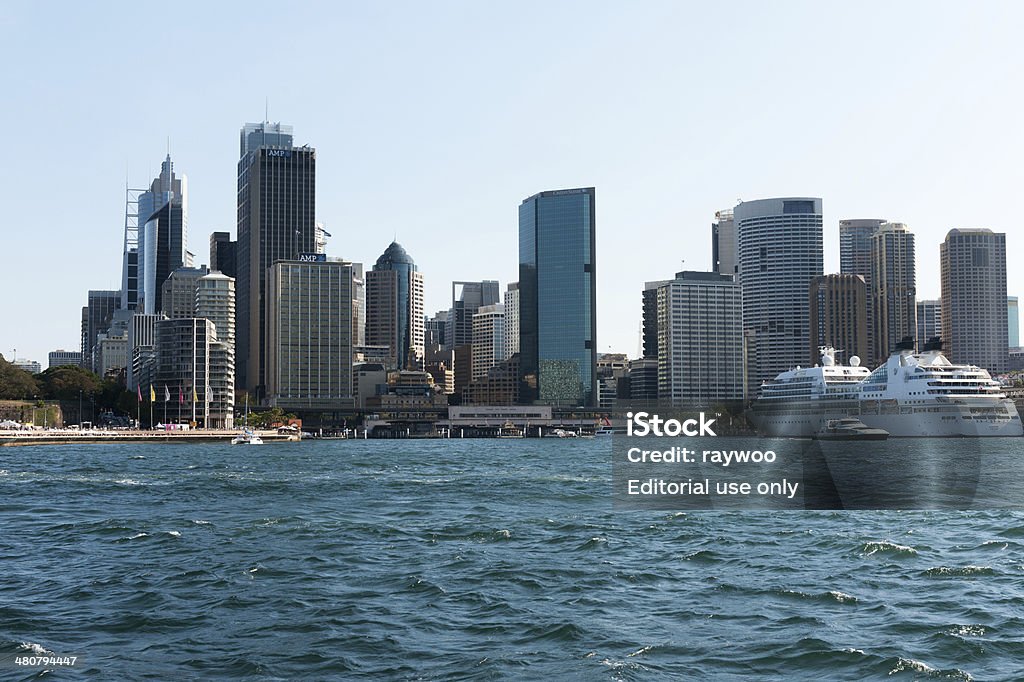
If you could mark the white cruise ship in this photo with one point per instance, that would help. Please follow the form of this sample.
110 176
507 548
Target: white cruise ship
924 394
910 395
800 402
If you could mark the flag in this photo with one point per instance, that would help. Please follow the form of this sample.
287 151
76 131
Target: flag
138 389
181 396
167 394
152 394
195 398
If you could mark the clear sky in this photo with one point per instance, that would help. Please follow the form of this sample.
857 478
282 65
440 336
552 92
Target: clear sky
432 121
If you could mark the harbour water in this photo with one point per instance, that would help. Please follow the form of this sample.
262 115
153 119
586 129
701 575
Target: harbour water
476 560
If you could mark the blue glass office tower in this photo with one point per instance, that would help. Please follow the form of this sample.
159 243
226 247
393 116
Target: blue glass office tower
558 298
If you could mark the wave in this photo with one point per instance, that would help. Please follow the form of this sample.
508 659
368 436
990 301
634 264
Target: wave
832 596
958 571
137 536
909 665
886 547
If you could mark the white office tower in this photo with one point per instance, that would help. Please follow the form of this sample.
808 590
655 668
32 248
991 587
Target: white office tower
780 252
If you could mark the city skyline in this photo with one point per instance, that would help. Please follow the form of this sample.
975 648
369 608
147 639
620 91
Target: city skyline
663 158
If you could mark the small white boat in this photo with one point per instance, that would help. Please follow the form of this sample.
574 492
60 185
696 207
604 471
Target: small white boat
247 437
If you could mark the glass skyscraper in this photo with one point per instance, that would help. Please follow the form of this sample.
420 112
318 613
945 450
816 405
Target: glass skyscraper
558 298
276 207
162 234
394 308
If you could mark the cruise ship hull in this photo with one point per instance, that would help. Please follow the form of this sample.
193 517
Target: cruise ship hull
947 421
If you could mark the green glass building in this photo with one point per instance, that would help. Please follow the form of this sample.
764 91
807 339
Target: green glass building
558 298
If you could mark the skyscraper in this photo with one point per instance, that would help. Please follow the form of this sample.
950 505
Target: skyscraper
223 254
723 243
700 339
839 316
1013 321
974 324
780 252
162 234
276 221
929 321
855 259
178 293
893 289
182 369
488 339
309 334
511 319
558 297
855 246
215 301
96 318
394 308
467 299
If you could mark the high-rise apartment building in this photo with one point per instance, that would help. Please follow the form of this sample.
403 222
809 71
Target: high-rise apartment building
893 289
558 297
178 292
215 301
723 243
780 252
700 340
182 369
974 311
309 334
394 308
140 348
838 305
276 221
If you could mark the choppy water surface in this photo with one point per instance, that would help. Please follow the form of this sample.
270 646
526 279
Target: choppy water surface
475 560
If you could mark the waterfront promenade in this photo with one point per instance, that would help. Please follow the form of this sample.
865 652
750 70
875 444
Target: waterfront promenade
65 436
